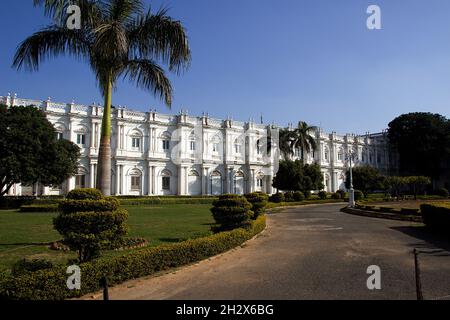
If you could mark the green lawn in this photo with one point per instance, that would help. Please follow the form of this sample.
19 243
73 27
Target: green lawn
22 233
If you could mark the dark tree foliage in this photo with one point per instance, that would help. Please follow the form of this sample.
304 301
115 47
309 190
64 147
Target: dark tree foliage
294 176
423 144
30 151
366 179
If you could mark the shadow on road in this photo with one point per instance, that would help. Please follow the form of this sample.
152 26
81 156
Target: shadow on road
432 240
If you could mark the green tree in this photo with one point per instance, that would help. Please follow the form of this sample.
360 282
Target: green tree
417 184
366 179
30 151
396 185
286 143
295 176
117 38
423 144
303 139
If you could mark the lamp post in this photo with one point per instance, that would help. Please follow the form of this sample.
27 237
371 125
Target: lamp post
351 202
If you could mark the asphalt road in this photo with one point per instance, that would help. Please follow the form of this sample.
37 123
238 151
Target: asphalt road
313 252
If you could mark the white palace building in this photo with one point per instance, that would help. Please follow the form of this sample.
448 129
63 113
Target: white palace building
157 154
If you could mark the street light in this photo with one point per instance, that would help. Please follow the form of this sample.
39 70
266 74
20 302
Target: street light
350 157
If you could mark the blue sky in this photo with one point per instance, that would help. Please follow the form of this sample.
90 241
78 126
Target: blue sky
311 60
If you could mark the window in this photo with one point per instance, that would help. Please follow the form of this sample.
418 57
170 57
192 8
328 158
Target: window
327 154
340 155
260 182
81 139
59 136
136 143
135 183
258 147
166 183
166 145
80 182
237 148
192 146
215 147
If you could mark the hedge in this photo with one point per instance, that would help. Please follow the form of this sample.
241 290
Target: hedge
73 206
39 208
436 216
164 201
51 284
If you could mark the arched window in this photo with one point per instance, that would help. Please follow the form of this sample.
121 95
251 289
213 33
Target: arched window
166 176
216 144
327 154
237 146
165 141
216 183
340 154
192 142
136 140
136 180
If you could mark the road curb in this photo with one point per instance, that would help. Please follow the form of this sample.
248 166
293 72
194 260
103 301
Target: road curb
382 215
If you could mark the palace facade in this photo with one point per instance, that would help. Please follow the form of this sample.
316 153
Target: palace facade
157 154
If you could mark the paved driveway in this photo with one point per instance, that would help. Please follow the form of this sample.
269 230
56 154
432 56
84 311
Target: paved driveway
313 252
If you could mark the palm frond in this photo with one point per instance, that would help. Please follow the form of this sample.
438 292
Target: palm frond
51 42
124 11
149 76
158 36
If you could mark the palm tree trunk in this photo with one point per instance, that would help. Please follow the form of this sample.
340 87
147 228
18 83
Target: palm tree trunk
104 156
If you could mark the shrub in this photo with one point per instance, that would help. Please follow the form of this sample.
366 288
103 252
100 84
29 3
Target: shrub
26 266
231 212
89 232
259 202
436 216
9 203
442 192
289 196
85 194
307 194
322 195
51 284
410 211
387 209
336 196
73 206
341 193
359 195
139 201
277 198
299 196
39 208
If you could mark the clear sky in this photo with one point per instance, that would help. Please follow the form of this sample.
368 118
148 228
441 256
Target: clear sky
311 60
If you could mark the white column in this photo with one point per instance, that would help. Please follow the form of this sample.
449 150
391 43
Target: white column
180 181
92 175
117 191
149 183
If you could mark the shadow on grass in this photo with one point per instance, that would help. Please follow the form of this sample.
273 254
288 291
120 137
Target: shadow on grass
171 240
432 239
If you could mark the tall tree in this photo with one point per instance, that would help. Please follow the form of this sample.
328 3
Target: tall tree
423 144
296 176
304 139
366 179
30 151
286 143
117 38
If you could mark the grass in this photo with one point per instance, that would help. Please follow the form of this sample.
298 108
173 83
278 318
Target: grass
22 234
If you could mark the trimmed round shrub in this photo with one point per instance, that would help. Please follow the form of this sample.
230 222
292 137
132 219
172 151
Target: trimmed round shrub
307 194
259 202
341 193
289 196
442 192
89 232
336 196
299 196
72 206
231 212
85 194
277 198
359 195
322 195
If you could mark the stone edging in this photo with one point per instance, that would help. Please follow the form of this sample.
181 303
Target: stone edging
382 215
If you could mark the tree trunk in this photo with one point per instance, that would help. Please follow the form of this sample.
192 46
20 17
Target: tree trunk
104 156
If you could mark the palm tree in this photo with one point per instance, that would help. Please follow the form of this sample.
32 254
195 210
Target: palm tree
287 139
118 38
303 139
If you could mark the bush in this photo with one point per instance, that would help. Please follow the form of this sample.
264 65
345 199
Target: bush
89 232
277 198
442 192
341 193
410 211
359 195
322 195
26 266
289 196
336 196
9 203
231 212
85 194
436 216
39 208
51 284
73 206
139 201
299 196
259 202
